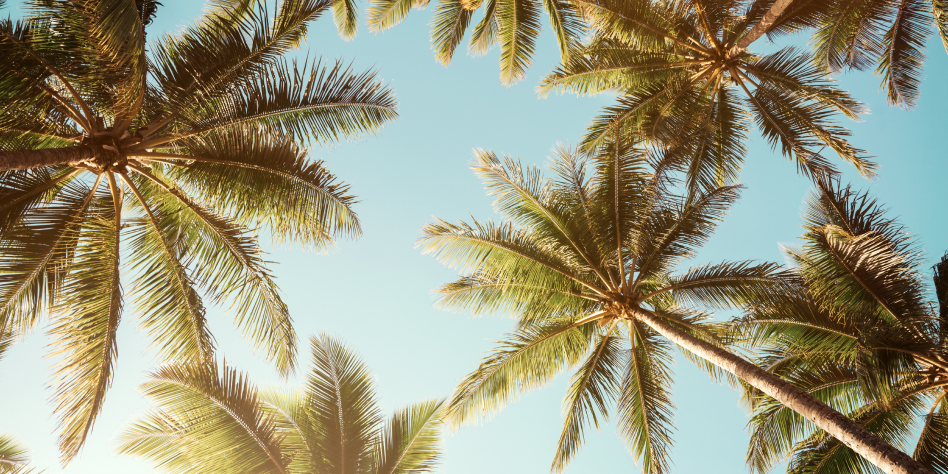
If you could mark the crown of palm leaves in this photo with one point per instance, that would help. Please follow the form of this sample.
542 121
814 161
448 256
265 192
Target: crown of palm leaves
855 331
214 420
172 158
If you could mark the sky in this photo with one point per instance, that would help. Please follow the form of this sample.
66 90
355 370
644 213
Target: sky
376 292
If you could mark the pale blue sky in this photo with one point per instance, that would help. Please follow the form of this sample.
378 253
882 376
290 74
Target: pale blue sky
376 293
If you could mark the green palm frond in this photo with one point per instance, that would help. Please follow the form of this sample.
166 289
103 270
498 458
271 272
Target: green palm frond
212 419
345 13
227 262
891 34
164 292
410 440
11 454
518 25
525 360
209 417
242 41
725 285
932 447
342 401
591 393
384 14
84 326
321 102
303 201
448 26
40 249
644 406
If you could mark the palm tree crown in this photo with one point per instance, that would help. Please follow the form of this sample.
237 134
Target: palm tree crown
858 332
687 81
172 158
215 421
586 263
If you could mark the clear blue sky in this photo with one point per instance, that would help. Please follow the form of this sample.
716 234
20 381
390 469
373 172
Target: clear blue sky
376 293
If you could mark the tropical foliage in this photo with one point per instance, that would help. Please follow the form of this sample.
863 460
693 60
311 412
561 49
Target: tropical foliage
858 332
688 83
173 159
513 25
13 457
585 262
214 420
888 34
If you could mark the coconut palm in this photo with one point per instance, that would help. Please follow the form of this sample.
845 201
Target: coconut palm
586 263
686 81
858 333
172 158
214 421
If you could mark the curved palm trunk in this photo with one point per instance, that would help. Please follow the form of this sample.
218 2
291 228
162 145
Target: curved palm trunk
760 28
29 159
850 433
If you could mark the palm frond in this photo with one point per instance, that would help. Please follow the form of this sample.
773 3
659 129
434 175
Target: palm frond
36 258
932 447
303 201
410 440
227 261
591 393
165 294
384 14
321 102
226 47
525 360
345 13
84 327
645 407
448 25
342 401
211 416
518 29
900 65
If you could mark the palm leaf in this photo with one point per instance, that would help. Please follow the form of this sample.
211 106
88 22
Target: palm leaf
410 440
342 402
592 389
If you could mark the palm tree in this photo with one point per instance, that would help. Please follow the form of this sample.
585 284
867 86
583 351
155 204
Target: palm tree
857 333
586 264
172 158
686 82
214 421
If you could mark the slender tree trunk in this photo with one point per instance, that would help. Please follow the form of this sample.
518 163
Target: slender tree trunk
850 433
760 28
29 159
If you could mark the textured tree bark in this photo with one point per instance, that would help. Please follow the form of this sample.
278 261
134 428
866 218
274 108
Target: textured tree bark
760 28
29 159
850 433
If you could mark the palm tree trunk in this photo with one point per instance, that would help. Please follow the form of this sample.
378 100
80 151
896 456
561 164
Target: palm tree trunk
850 433
760 28
29 159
